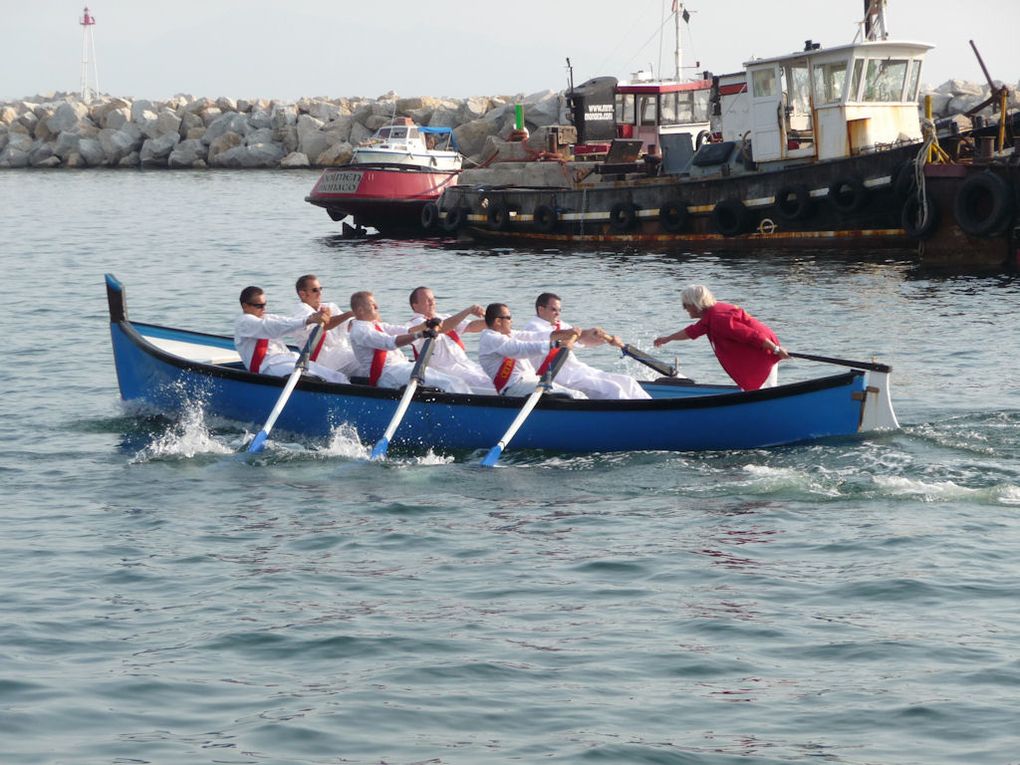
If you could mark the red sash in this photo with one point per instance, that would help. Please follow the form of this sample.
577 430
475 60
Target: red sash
260 353
452 334
503 374
315 353
549 356
378 362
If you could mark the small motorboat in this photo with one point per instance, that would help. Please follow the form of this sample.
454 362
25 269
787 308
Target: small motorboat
390 179
172 370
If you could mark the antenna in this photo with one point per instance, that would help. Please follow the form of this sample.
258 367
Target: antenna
88 42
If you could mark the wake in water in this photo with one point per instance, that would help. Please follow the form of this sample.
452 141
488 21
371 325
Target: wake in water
184 439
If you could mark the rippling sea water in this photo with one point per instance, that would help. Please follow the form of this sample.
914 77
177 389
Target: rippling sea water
164 602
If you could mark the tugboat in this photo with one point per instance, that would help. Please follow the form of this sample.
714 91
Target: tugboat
805 149
389 179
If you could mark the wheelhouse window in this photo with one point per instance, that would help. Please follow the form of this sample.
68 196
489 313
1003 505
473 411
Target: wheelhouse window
398 134
669 114
855 84
885 79
763 83
915 80
829 80
625 106
649 109
701 105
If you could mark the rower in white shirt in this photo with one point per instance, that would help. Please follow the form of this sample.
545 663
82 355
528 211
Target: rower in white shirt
595 383
503 353
258 338
448 354
334 350
376 345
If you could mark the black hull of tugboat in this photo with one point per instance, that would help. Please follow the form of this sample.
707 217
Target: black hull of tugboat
974 216
838 204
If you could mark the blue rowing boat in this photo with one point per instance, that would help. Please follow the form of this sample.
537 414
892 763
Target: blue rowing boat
171 369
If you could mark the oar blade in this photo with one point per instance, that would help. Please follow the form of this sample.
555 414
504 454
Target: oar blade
258 443
380 448
490 459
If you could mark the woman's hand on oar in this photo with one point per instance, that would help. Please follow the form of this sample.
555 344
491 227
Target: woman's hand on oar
417 377
544 384
258 443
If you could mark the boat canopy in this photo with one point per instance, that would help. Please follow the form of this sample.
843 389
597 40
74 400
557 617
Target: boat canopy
441 131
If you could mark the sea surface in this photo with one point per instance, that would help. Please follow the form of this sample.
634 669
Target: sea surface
163 601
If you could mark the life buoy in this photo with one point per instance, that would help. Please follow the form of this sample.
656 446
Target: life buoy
455 218
546 218
623 216
429 216
909 219
984 205
673 216
498 216
793 203
848 194
730 217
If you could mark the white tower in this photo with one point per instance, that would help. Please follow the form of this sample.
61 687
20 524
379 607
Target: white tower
88 42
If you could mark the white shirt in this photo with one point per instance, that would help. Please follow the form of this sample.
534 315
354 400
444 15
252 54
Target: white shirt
445 351
336 348
494 346
538 324
249 329
366 340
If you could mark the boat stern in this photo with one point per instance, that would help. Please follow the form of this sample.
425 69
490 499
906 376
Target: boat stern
877 410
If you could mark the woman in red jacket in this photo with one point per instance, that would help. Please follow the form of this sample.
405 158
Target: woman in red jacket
747 349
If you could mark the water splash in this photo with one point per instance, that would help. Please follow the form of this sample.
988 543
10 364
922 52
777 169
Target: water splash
184 439
344 442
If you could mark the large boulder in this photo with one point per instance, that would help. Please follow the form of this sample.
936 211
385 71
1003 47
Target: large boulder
471 136
42 156
155 151
230 122
261 135
189 153
294 160
117 144
260 118
311 140
139 109
190 121
283 115
91 152
474 108
66 143
16 154
67 116
323 110
445 115
249 157
339 129
7 115
337 154
359 134
221 144
543 108
226 104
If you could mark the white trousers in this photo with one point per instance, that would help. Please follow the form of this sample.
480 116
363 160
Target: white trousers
598 384
473 376
280 365
526 386
773 379
398 375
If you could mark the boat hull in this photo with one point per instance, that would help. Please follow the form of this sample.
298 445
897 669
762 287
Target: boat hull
152 370
387 197
587 210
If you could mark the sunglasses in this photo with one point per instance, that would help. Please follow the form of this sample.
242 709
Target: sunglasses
504 317
257 305
314 289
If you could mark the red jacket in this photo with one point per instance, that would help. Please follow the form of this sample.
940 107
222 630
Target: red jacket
737 339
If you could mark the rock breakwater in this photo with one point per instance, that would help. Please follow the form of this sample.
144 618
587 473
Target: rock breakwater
58 130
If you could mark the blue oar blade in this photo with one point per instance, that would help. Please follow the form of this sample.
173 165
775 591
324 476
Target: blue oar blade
379 451
492 457
258 443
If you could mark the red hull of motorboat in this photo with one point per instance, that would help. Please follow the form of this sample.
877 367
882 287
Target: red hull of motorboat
387 198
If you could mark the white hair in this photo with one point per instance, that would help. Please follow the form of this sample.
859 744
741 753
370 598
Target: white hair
698 296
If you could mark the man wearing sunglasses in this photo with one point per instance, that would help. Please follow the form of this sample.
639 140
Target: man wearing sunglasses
503 353
258 338
595 383
334 350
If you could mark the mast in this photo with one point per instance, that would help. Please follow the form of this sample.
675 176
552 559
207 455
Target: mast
874 20
88 40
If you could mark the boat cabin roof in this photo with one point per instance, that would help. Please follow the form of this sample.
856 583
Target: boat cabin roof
866 49
652 88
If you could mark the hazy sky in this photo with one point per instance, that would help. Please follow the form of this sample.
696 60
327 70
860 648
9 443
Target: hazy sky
292 48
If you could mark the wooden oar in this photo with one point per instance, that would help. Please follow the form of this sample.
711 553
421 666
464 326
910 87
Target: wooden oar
661 367
417 378
259 442
543 385
869 365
